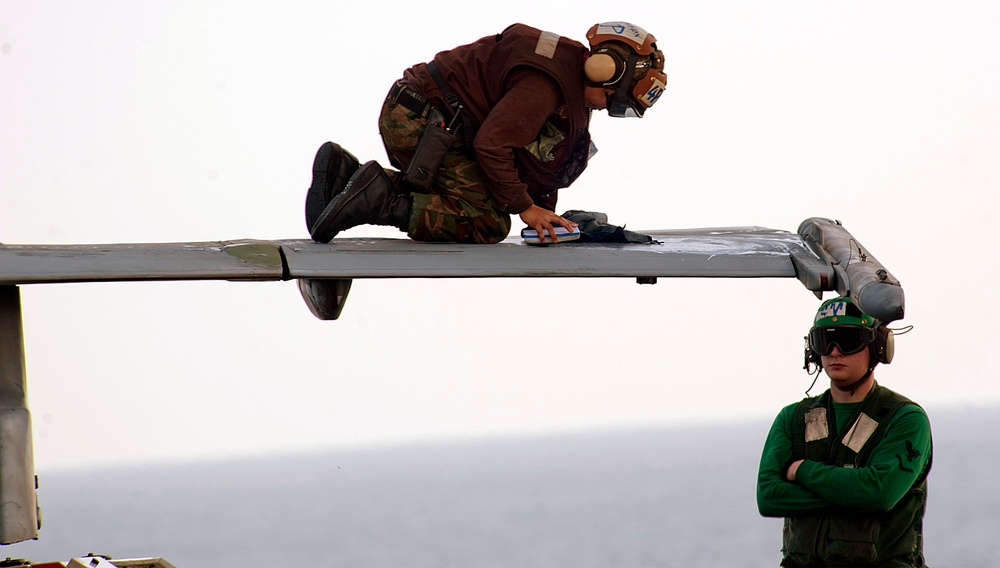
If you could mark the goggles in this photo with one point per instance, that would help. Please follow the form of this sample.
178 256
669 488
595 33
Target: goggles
849 339
620 107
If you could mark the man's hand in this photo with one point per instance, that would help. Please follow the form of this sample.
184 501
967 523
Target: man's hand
790 474
542 221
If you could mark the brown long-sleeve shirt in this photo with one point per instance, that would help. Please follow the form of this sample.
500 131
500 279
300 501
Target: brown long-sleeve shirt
513 122
510 86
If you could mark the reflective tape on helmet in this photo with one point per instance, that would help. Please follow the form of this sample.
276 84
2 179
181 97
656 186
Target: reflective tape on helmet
648 90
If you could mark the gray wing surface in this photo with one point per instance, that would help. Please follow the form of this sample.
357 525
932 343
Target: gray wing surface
752 252
727 252
822 255
223 260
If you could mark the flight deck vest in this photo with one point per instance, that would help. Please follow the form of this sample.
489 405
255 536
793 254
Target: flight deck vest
478 73
848 538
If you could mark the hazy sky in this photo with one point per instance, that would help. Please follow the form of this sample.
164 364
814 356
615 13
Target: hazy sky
193 121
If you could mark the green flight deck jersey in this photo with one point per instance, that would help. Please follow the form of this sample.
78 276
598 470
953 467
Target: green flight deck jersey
859 496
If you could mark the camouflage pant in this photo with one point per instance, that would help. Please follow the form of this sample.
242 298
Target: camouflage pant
458 208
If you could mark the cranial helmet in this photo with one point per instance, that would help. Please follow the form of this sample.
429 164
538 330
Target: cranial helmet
624 57
840 323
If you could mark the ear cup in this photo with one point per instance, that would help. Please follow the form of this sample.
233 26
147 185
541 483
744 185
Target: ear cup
888 347
602 68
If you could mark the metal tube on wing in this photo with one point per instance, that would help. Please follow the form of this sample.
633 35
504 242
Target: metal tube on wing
860 275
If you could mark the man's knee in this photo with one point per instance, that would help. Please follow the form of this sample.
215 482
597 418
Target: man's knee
458 231
446 220
493 228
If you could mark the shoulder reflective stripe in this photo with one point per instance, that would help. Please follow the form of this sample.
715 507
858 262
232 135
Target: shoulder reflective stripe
860 432
547 43
816 425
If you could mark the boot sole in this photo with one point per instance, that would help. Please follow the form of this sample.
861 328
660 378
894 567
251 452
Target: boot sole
317 197
322 231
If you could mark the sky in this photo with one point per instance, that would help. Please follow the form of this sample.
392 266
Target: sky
196 121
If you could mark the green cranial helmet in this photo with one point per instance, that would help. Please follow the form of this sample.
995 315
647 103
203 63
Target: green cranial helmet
842 311
840 323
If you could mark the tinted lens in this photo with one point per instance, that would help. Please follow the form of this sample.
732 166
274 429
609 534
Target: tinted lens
622 110
621 106
848 339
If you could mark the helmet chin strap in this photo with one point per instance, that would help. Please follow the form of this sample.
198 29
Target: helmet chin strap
619 104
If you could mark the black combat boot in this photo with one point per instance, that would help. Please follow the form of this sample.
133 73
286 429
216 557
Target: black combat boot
332 168
368 199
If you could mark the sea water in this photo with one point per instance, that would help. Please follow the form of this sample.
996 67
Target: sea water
657 497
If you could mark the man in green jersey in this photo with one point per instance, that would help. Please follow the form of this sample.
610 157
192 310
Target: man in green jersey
848 469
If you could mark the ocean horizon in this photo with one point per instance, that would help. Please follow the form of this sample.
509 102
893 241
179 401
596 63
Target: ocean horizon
674 496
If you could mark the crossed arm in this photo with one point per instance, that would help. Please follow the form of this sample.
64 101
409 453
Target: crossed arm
805 486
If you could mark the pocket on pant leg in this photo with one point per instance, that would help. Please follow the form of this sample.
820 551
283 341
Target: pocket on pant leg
400 130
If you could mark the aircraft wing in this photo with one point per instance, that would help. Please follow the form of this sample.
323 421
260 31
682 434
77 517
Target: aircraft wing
326 270
735 252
